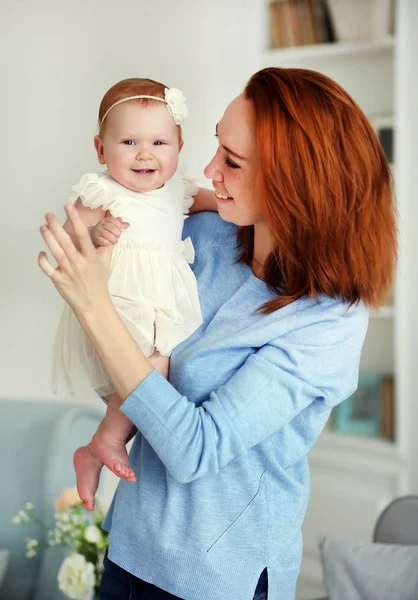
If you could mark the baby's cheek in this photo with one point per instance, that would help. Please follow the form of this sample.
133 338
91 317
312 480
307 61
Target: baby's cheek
171 162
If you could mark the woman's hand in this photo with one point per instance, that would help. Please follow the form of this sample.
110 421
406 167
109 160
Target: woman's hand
81 276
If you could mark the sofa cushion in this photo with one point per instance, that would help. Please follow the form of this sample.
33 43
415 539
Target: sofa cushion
4 559
356 570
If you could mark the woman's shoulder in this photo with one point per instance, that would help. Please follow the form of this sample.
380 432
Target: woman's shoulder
330 320
208 229
326 307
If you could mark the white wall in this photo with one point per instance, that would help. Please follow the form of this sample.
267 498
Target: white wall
406 190
57 61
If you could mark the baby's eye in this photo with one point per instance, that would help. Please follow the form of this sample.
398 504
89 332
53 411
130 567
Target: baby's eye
158 143
129 142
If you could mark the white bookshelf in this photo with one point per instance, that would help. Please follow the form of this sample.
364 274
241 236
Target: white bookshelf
384 312
329 51
352 477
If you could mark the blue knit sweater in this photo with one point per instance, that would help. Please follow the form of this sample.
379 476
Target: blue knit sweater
221 450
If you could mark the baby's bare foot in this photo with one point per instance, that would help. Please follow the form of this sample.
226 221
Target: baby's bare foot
112 453
89 460
87 470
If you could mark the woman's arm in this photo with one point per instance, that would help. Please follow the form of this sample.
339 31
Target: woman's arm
204 200
286 389
123 360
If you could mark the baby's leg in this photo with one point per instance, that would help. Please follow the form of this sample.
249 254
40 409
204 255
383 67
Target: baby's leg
107 446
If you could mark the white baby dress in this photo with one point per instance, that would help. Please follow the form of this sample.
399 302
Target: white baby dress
150 279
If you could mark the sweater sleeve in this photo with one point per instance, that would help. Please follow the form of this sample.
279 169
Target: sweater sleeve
317 363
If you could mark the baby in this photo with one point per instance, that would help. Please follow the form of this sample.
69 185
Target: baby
137 205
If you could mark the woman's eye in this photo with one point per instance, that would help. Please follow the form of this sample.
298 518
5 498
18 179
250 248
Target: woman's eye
129 143
158 143
230 164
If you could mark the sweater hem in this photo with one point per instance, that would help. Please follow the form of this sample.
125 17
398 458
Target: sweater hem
191 577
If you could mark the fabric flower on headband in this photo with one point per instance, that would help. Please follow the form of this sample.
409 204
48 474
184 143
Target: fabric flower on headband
176 104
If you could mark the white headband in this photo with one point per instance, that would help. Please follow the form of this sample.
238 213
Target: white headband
174 99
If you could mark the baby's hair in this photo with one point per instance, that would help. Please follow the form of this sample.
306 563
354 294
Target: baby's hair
134 86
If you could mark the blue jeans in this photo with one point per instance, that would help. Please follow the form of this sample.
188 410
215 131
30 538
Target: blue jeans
118 584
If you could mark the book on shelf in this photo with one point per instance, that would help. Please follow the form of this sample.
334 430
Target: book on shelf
356 20
387 408
299 23
370 410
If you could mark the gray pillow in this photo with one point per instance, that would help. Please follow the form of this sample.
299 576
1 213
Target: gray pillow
360 571
4 559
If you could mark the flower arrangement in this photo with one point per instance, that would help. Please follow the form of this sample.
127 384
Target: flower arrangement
80 531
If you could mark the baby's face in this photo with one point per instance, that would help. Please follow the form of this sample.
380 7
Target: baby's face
139 145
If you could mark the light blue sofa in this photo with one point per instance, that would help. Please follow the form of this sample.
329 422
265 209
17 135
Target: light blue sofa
37 441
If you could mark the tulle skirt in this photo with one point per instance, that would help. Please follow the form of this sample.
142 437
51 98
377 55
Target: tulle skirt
155 293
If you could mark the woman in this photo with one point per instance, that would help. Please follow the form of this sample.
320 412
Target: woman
220 455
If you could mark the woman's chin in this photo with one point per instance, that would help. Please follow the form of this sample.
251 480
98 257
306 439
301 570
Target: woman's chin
229 216
225 206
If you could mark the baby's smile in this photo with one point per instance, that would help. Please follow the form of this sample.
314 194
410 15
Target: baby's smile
144 171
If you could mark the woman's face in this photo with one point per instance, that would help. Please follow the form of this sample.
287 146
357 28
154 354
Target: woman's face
233 169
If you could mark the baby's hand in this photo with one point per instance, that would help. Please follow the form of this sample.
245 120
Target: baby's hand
107 231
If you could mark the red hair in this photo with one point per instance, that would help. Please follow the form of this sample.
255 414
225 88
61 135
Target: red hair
132 87
325 189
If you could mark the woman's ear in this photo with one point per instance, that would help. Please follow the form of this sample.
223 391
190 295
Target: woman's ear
98 144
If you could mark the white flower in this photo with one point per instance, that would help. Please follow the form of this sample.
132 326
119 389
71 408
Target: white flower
63 517
31 546
76 577
28 505
54 536
176 104
16 519
99 564
92 534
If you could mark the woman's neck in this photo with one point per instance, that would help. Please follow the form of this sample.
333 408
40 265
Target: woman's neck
262 248
263 244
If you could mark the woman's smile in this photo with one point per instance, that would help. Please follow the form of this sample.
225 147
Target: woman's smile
221 198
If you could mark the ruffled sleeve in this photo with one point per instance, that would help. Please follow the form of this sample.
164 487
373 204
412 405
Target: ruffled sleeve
190 190
93 194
